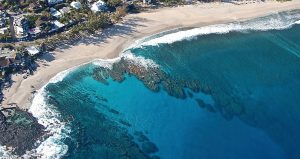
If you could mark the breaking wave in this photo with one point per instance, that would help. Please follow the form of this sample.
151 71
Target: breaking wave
129 56
48 116
278 21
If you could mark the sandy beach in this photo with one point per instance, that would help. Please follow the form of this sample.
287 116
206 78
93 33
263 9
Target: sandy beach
112 41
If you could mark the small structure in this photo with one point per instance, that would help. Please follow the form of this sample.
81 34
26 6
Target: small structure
7 57
146 1
65 10
57 25
4 30
20 26
34 7
4 62
55 13
52 2
3 19
32 50
98 6
76 5
35 31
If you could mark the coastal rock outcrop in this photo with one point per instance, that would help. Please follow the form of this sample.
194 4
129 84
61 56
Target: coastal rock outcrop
19 130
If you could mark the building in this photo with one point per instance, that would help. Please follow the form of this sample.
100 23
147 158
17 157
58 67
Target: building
4 30
4 62
3 19
52 2
35 31
55 13
65 10
98 6
32 50
20 26
76 5
7 57
56 25
34 7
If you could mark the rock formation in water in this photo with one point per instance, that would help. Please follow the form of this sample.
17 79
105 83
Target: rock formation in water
19 130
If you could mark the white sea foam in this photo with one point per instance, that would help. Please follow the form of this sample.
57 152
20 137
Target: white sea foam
106 63
139 60
127 55
49 117
273 22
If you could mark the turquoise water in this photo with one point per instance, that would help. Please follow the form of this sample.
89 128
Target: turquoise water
245 106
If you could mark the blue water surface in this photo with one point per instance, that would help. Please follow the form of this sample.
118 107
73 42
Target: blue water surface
257 71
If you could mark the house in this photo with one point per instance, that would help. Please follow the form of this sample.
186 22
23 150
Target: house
20 26
32 50
3 14
55 13
3 19
76 5
34 31
56 25
2 22
65 10
52 2
4 30
4 62
34 7
98 6
7 57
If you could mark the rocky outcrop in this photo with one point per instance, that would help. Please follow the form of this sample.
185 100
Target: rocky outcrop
19 130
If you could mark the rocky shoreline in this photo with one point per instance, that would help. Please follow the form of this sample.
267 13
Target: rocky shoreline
19 131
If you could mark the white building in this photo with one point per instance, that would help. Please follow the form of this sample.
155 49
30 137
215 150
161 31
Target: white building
98 6
76 5
20 26
55 13
4 30
32 50
65 10
51 2
57 25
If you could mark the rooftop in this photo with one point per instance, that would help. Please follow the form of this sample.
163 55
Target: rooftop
32 50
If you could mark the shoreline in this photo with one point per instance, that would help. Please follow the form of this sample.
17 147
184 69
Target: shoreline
113 40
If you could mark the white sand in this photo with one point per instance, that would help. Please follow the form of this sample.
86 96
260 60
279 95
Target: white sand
113 40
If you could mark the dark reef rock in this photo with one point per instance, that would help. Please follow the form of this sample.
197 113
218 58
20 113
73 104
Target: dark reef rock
141 137
204 105
149 147
19 130
155 79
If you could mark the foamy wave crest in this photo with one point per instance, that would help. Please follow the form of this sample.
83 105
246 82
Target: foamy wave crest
127 55
273 22
106 63
139 60
48 116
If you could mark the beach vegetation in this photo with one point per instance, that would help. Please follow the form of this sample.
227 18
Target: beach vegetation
114 3
172 2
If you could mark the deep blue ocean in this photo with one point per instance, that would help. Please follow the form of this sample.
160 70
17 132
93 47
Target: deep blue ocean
244 102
